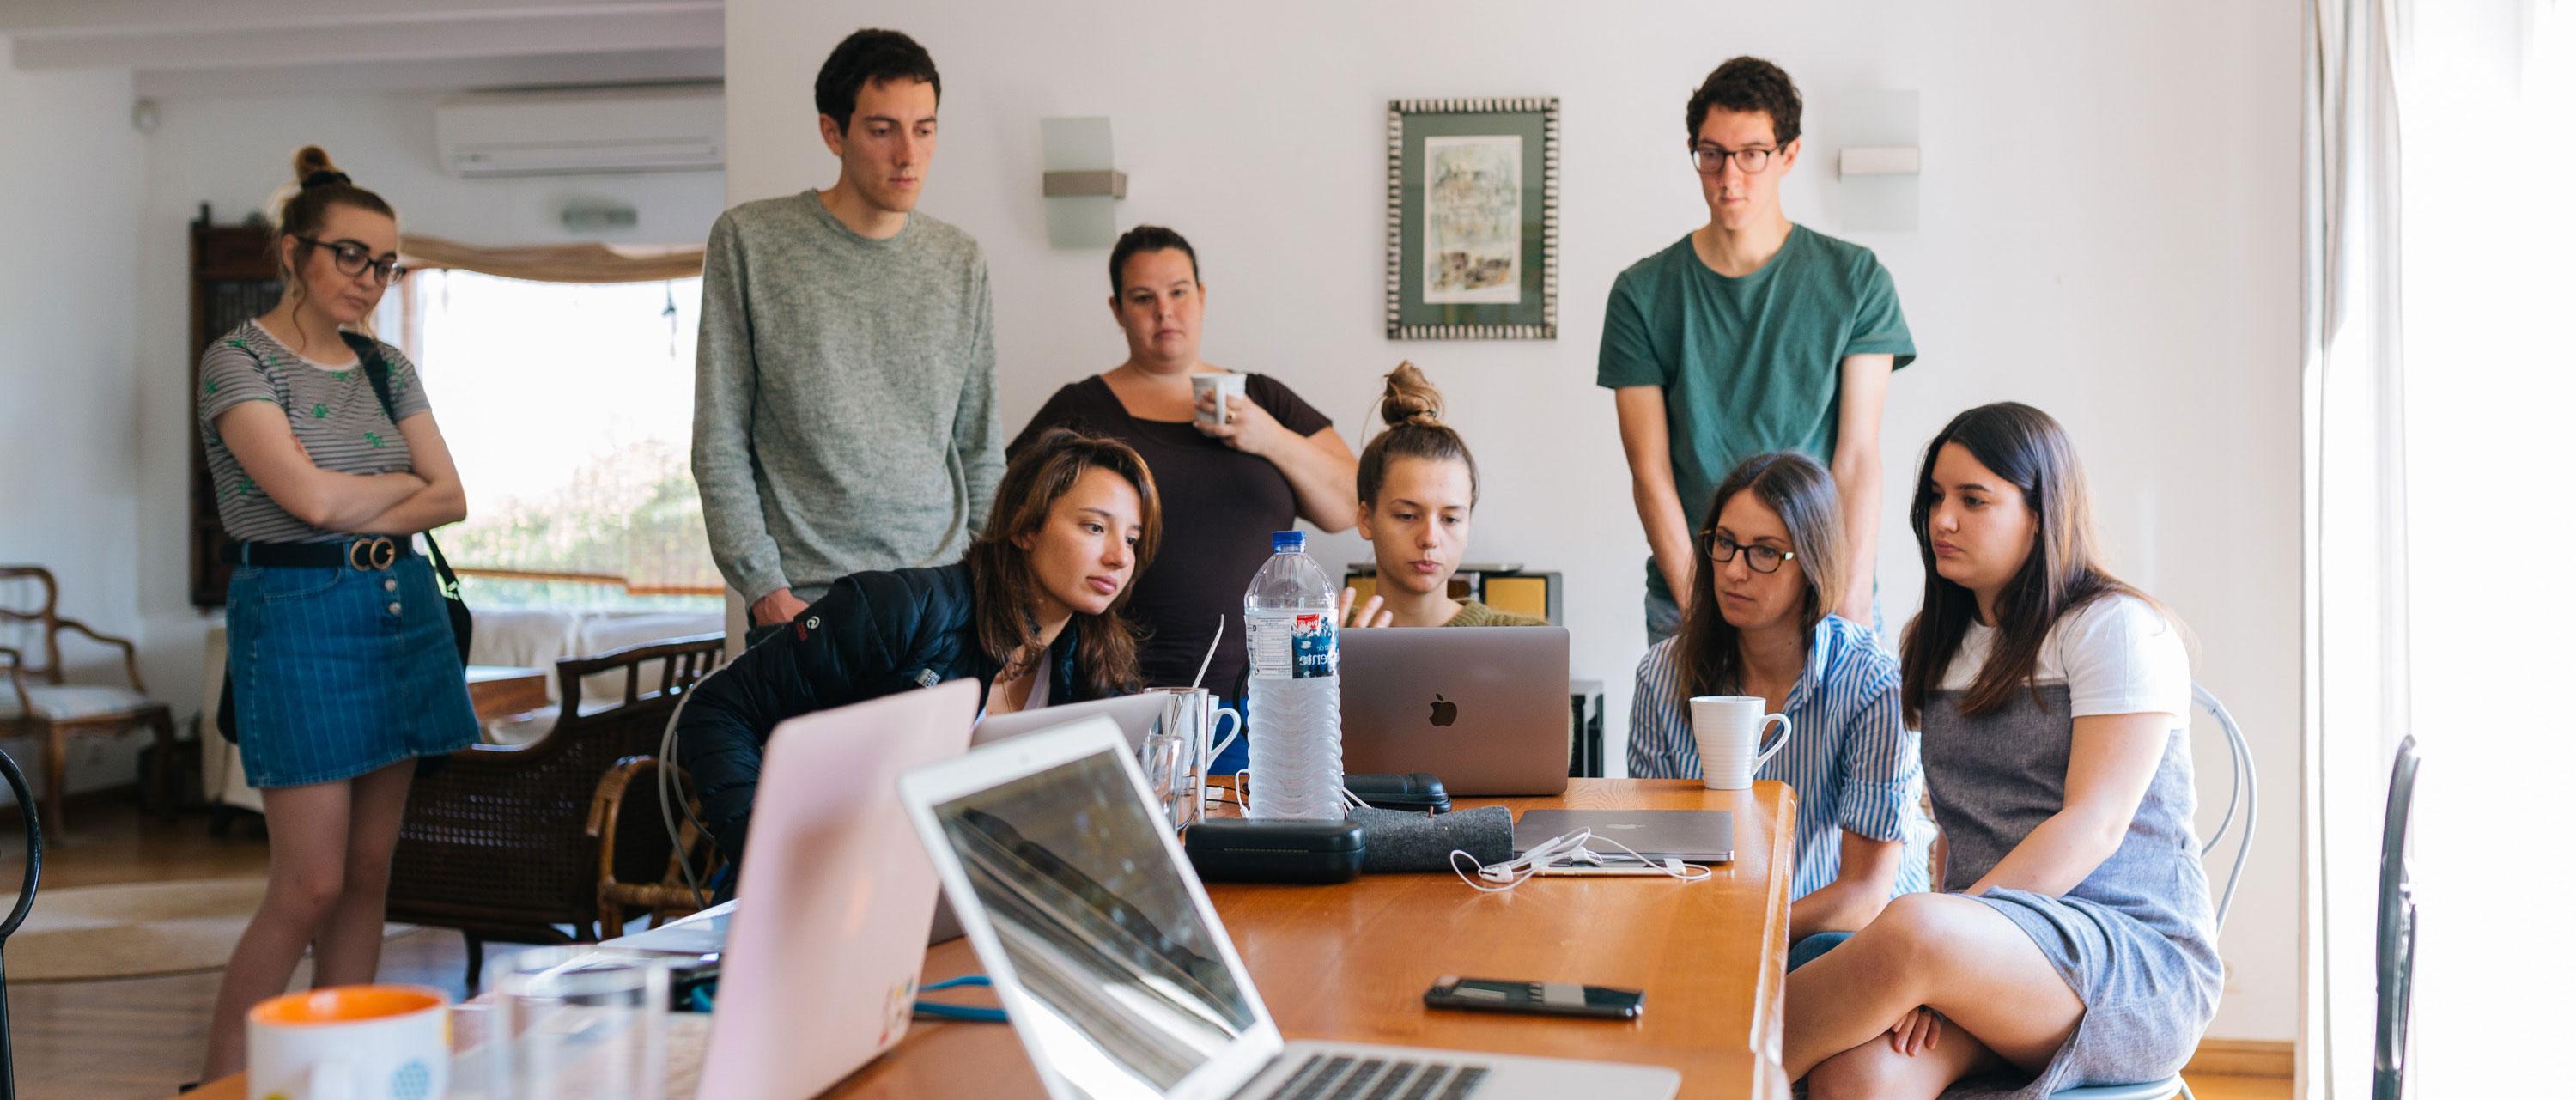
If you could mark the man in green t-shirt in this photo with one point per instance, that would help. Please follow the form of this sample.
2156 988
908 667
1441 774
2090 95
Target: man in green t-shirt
1751 334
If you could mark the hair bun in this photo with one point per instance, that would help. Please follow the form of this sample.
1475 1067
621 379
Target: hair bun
1410 400
313 168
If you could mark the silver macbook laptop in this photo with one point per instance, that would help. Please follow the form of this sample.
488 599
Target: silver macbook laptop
1135 715
1113 966
1692 836
1485 708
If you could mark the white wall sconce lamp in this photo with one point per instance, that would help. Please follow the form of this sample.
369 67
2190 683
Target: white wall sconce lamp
1879 168
1081 183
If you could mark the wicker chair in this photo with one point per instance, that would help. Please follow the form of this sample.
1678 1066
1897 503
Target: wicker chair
496 843
36 703
639 870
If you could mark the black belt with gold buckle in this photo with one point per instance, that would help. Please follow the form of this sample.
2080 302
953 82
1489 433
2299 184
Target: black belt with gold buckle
366 554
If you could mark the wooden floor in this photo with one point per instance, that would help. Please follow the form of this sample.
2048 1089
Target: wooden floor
141 1038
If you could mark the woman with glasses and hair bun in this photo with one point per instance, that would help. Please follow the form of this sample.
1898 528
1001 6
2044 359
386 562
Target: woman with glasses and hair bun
1760 622
343 667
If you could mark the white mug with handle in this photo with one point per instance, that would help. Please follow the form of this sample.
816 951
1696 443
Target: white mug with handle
1729 730
353 1042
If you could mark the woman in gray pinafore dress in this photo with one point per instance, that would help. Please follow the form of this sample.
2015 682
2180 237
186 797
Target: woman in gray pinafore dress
2076 946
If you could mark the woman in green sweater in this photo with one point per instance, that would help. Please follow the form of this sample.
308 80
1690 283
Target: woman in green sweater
1417 493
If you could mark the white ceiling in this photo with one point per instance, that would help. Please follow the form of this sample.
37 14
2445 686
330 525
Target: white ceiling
194 48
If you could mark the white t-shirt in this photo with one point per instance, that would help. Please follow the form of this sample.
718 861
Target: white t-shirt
2116 655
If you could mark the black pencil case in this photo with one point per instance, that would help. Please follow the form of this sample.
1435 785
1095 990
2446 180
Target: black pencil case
1261 850
1417 791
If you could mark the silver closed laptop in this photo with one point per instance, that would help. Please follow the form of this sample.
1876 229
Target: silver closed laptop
1691 836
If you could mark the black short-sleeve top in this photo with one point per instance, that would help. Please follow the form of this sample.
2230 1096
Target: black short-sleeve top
1219 507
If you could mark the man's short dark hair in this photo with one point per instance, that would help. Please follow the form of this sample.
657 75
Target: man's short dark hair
1146 238
871 56
1745 85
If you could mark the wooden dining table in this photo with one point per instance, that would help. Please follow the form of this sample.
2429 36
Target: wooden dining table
1350 962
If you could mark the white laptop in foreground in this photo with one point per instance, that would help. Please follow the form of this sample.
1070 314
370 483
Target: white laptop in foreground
1113 966
823 956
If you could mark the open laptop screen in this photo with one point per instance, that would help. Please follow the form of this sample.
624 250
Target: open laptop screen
1100 930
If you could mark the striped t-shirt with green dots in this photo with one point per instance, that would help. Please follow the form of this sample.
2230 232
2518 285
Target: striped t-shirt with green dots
332 409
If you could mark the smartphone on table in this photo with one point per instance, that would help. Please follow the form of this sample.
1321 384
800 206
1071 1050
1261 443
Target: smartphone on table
1545 998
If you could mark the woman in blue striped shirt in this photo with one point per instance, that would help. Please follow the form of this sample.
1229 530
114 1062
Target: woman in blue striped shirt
1755 627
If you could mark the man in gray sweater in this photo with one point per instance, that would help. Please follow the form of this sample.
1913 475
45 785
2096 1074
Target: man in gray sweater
845 406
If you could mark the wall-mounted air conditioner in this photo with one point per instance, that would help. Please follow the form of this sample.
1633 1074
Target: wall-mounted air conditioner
663 129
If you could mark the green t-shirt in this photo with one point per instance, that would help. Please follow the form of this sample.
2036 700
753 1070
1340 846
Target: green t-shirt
1748 365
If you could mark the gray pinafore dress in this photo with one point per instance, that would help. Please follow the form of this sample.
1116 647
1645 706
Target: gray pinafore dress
2135 940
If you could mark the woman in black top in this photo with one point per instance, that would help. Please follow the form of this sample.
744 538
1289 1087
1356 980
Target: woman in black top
1032 614
1225 487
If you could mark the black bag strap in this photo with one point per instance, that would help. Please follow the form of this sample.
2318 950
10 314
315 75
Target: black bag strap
380 376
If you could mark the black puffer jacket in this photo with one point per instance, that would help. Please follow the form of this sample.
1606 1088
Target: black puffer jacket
873 634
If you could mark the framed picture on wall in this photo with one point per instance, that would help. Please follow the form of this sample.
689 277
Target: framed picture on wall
1471 194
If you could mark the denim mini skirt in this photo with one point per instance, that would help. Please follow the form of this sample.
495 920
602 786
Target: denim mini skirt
338 672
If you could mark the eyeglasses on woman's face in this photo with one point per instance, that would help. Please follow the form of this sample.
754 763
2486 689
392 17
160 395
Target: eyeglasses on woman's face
1721 549
352 259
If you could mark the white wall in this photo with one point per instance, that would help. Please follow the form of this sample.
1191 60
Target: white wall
234 153
70 420
2109 231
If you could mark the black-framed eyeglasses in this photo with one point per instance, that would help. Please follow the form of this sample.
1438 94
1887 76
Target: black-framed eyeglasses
1757 557
1711 160
352 259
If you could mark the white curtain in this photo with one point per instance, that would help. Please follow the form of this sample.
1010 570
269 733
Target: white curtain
2487 93
2355 490
2438 503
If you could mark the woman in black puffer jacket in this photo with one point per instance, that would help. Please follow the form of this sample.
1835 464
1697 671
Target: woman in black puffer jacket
1032 614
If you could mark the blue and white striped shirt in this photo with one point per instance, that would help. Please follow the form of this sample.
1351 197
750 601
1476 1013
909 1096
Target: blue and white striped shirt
1850 758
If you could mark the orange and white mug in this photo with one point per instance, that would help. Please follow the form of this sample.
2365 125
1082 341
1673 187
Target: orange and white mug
351 1042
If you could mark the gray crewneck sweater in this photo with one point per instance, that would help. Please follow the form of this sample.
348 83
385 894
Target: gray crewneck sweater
845 407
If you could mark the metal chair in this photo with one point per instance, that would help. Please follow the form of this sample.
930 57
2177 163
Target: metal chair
2240 787
18 914
2396 931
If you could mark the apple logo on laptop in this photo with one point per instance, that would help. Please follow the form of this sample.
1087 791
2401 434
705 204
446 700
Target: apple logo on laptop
1443 712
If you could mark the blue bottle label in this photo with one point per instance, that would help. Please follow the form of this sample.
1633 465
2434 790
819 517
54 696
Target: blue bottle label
1317 654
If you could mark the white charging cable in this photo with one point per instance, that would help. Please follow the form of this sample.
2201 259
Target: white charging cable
666 784
1570 850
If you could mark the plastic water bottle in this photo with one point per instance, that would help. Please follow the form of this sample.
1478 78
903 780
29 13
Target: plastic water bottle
1296 691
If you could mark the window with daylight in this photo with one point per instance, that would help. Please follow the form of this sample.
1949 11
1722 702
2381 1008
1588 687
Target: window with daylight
567 407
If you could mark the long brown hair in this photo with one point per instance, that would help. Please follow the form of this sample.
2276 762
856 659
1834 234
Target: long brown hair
2063 572
1802 494
303 208
1006 588
1411 407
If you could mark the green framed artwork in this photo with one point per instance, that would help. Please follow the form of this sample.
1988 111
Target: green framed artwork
1471 193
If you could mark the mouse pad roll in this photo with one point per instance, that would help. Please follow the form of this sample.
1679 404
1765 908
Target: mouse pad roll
1399 841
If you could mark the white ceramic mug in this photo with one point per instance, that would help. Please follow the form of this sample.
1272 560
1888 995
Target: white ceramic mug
1729 730
1226 384
351 1042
